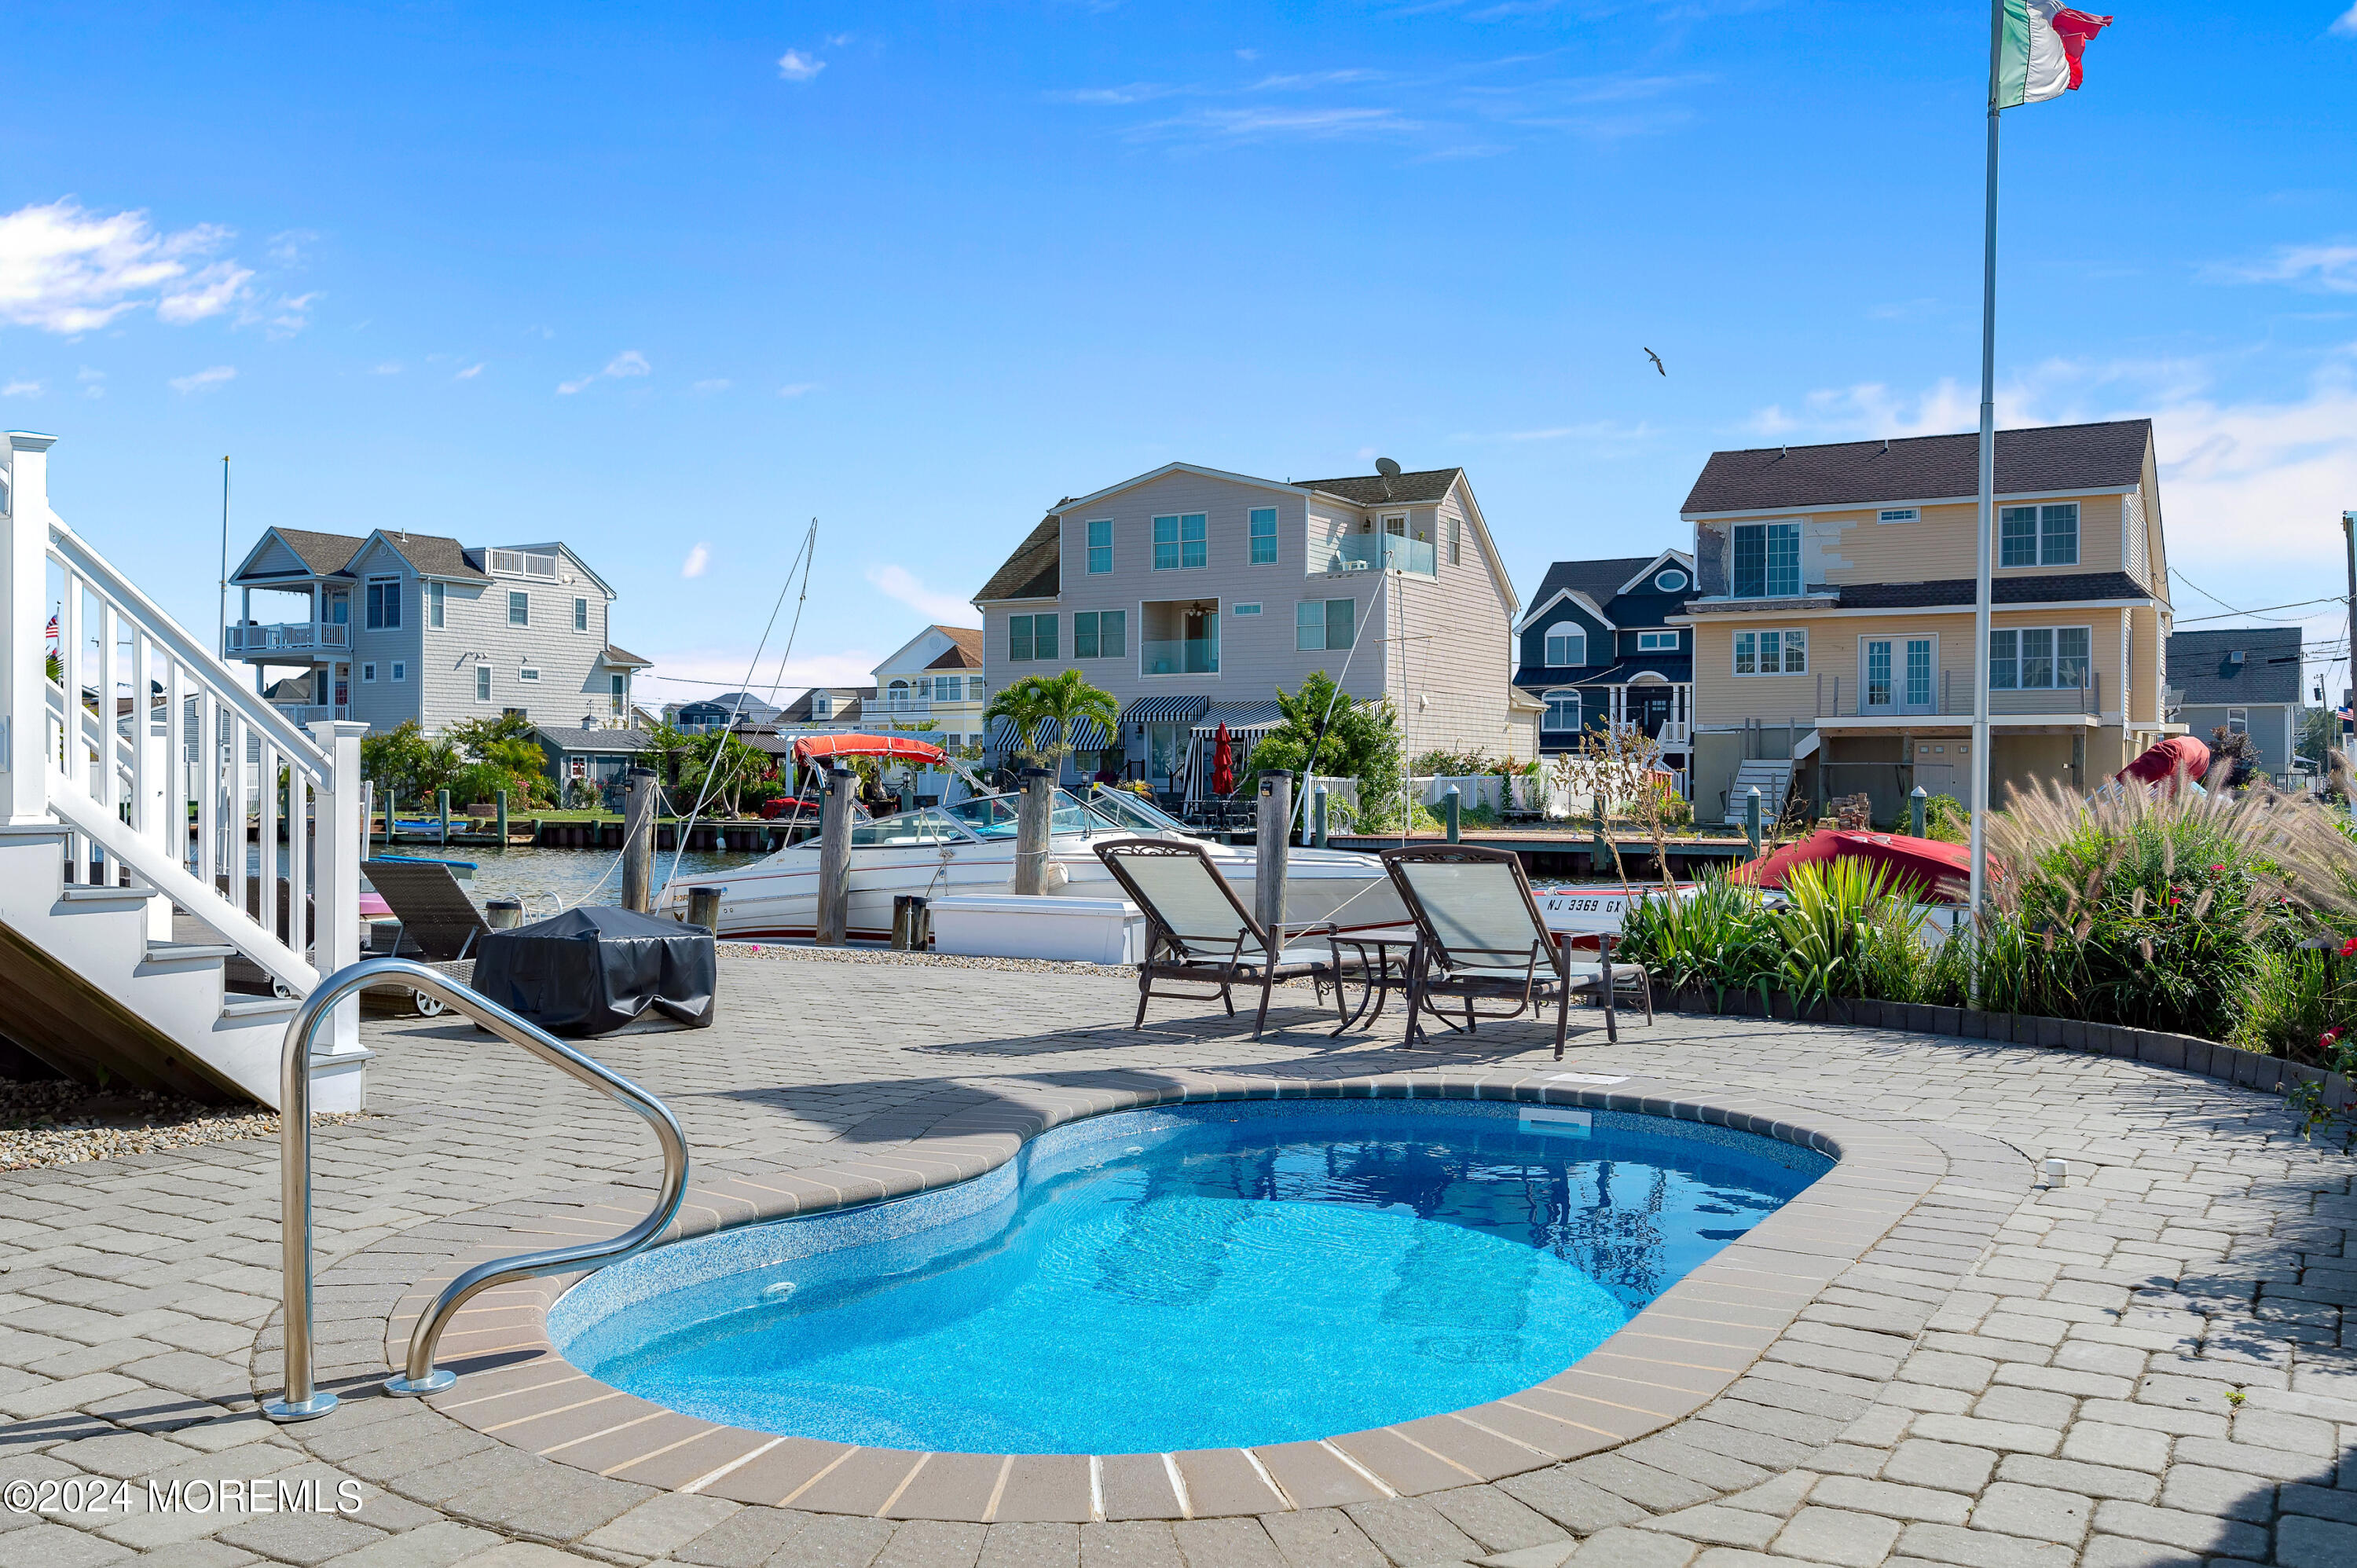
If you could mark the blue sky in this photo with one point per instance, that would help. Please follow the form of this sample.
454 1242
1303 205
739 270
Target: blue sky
666 282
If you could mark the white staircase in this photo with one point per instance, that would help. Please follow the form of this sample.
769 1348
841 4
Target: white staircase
103 776
1772 776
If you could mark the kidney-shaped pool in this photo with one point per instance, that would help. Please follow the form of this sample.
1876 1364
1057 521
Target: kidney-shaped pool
1194 1276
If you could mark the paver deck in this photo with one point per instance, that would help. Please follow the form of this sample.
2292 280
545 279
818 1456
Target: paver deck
2152 1364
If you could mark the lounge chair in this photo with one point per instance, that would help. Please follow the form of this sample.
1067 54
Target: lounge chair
1482 938
438 922
1199 932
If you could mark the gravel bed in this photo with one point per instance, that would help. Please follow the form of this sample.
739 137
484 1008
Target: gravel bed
56 1121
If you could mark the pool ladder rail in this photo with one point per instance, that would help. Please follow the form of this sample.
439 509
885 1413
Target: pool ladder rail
301 1400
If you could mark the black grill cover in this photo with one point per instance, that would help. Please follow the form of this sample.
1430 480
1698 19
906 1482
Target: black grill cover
592 970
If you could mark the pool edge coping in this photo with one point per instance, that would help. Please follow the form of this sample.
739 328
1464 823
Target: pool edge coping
1670 1360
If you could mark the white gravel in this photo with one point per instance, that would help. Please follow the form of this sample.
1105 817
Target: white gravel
54 1121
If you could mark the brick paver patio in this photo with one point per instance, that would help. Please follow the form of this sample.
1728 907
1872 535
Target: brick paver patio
2152 1364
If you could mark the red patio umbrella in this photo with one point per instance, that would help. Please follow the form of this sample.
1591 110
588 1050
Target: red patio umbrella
1223 762
1939 873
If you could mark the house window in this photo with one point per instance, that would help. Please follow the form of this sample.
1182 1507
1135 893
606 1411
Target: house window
1456 540
580 615
1780 652
1566 644
1671 581
1100 546
2238 721
1562 712
368 674
1243 609
1030 636
339 609
529 672
1181 542
1088 628
1657 642
483 682
821 707
1263 536
1322 624
2039 535
434 594
384 605
896 695
974 688
400 670
1019 640
1767 560
2038 658
519 607
1899 514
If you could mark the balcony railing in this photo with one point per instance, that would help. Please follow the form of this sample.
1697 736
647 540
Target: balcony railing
1379 552
311 713
1184 655
1843 697
248 638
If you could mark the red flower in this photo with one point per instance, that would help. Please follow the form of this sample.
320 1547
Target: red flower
2328 1038
2217 868
2349 948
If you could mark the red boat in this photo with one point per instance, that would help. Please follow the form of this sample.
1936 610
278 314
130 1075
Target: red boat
1939 873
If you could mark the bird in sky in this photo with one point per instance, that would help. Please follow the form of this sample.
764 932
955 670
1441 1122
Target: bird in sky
1657 361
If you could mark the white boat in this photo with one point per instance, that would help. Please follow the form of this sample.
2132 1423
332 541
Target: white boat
968 847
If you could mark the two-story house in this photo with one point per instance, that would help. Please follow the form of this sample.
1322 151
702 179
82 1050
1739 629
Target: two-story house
1834 626
2243 680
1597 647
399 625
1194 595
699 714
935 676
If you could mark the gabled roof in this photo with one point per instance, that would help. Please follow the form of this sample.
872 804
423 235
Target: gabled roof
430 554
1422 488
572 737
623 659
324 553
1641 580
1595 581
2043 459
1034 571
2200 663
964 651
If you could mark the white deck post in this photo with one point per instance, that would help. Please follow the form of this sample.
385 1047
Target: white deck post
337 873
24 628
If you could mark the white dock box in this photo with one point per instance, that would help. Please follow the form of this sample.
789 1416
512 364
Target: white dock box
1013 925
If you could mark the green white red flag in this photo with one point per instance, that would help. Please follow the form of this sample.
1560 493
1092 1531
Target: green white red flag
2039 46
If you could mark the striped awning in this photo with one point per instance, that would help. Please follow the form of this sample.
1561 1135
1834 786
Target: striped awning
1258 718
1164 710
1088 735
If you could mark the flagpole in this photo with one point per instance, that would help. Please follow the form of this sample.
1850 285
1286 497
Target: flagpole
1982 565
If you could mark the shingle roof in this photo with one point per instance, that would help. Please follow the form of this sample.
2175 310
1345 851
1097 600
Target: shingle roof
435 555
572 737
1921 468
964 651
2200 663
1421 487
614 655
324 553
2047 588
1599 580
1033 572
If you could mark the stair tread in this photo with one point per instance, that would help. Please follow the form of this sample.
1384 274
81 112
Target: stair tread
104 892
162 953
259 1006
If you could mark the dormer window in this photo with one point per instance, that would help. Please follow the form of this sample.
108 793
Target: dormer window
1671 581
1566 644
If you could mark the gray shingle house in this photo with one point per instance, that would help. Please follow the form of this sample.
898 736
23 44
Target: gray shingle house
2243 680
399 625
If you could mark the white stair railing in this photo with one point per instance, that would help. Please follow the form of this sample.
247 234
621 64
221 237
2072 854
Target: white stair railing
130 787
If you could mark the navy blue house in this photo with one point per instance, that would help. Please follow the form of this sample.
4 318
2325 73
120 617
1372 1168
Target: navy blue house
1597 648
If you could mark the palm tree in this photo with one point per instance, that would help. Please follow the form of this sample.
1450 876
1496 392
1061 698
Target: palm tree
1068 699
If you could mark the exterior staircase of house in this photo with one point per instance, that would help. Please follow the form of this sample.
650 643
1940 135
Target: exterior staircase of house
134 738
1772 776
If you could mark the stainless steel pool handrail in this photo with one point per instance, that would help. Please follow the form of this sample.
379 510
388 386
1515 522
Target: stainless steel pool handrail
301 1400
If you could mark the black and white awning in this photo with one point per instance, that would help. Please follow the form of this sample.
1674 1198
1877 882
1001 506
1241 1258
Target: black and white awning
1164 710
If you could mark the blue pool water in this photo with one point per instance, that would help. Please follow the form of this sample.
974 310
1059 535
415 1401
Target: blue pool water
1194 1276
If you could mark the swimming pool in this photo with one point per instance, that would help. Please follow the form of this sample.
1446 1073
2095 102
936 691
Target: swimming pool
1193 1276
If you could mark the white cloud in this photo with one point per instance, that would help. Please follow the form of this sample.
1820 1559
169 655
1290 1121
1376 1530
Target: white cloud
1133 93
698 558
286 316
715 384
65 269
390 368
628 362
205 380
796 389
899 583
290 248
469 373
21 388
1236 125
93 382
2332 268
2346 23
795 66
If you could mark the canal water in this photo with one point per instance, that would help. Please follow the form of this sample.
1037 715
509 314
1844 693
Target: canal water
547 880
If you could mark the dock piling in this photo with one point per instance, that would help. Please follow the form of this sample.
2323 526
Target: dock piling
1918 804
639 839
832 921
1452 803
1751 818
1269 848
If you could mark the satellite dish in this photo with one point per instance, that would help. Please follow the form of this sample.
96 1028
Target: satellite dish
1387 469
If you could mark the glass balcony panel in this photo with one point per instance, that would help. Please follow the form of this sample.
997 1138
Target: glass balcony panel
1383 551
1181 656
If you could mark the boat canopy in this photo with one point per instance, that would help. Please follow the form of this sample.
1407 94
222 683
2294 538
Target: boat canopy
900 747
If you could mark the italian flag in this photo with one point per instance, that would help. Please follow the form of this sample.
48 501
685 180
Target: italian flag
2037 46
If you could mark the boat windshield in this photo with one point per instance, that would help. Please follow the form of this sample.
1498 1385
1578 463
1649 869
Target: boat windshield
910 828
1124 808
992 816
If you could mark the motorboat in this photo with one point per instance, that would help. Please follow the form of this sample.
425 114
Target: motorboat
966 845
1589 911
